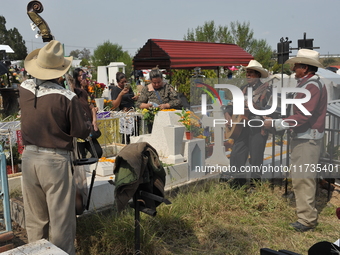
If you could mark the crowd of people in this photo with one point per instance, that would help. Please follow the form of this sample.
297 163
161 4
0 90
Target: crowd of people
52 117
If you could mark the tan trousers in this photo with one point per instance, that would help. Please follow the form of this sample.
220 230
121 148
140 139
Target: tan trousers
304 178
49 198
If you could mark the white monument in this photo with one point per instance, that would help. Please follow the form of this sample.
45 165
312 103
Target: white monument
107 74
218 156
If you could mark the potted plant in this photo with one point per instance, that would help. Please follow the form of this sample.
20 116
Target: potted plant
191 123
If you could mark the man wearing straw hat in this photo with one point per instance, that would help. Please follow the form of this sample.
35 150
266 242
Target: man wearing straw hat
252 140
306 136
50 117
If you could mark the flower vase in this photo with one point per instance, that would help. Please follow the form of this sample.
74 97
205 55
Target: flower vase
11 170
149 125
188 135
100 103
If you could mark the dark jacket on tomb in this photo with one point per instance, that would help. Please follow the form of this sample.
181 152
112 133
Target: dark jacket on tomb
137 166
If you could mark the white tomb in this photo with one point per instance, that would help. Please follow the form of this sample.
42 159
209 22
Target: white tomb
218 156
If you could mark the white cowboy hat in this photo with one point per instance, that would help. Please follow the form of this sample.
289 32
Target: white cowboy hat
254 65
307 57
48 62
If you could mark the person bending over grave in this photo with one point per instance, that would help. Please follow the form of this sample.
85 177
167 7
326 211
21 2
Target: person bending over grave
158 93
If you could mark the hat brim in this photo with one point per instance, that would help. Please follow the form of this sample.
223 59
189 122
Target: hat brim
264 73
41 73
302 60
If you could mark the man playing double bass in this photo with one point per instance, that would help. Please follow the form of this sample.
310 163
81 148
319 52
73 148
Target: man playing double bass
51 117
251 140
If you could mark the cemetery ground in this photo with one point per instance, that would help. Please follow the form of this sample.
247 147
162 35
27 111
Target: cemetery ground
209 218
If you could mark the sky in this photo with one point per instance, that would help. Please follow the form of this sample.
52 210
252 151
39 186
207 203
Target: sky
130 23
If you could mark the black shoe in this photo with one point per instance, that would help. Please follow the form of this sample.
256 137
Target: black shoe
300 227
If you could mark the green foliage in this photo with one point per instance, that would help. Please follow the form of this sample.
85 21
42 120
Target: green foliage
13 38
127 60
243 35
191 122
238 33
81 54
184 118
149 114
108 52
277 68
209 33
181 80
262 52
328 61
10 152
210 74
208 218
16 42
335 151
84 62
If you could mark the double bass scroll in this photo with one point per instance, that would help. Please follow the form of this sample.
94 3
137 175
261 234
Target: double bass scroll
33 8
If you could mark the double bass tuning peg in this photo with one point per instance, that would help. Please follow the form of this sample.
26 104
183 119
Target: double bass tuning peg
33 26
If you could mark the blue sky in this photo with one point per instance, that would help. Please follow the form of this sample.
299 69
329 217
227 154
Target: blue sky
130 23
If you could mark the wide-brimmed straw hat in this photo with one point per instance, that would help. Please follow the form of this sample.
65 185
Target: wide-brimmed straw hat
48 62
254 65
307 57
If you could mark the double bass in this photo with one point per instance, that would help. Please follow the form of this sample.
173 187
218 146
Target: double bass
33 10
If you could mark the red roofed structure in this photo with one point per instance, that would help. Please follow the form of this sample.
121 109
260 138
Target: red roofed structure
175 54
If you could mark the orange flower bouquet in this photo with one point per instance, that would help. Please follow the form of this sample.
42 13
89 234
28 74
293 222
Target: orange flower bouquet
95 89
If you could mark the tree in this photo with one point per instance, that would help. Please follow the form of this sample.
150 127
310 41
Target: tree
239 33
14 39
81 54
263 53
106 53
127 60
329 61
84 62
17 43
75 53
243 35
209 33
3 30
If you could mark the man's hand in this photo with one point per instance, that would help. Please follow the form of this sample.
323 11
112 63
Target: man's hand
268 123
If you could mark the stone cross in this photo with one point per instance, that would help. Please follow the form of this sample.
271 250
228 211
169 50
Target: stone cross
218 156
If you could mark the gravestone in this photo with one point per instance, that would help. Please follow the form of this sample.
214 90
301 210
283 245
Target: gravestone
157 138
218 156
